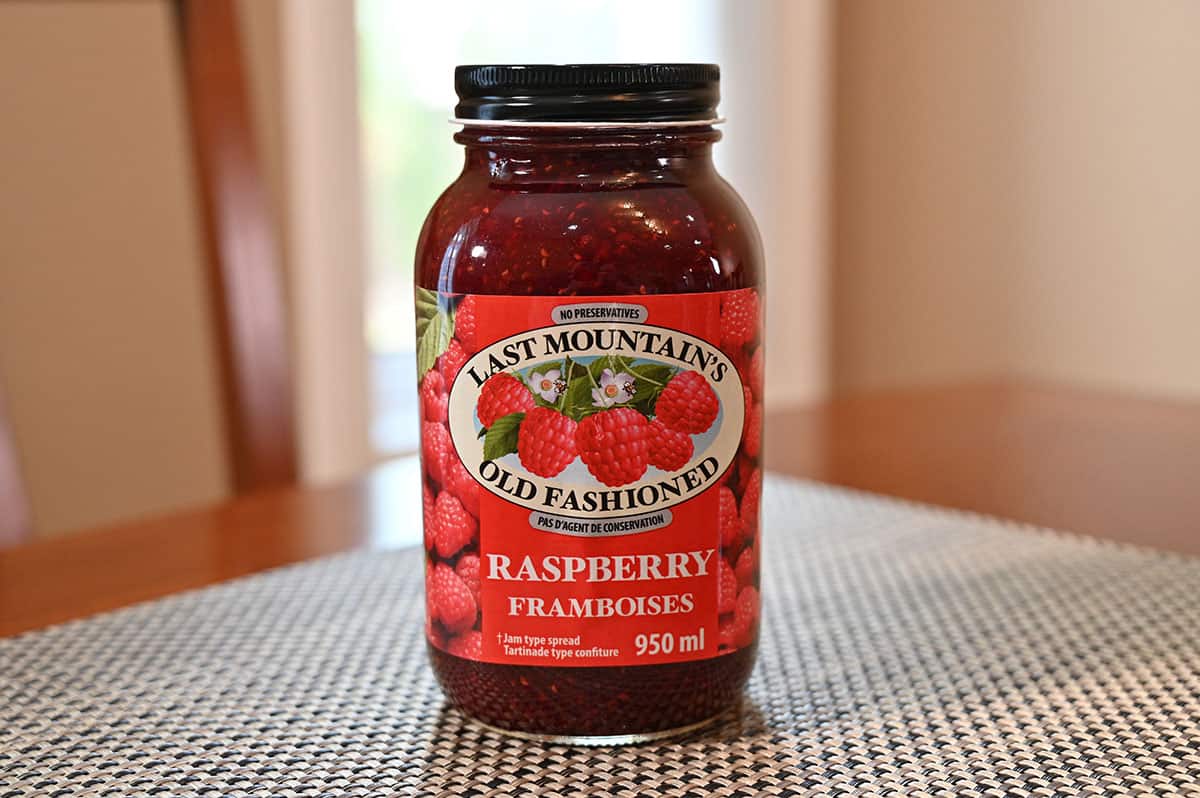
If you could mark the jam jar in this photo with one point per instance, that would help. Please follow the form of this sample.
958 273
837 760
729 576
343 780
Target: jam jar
590 369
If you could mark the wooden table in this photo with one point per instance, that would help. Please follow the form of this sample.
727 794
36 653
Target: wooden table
1119 468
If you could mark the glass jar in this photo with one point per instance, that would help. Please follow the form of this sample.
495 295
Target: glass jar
590 364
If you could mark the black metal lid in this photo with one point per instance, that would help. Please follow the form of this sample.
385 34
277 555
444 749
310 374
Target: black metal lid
598 93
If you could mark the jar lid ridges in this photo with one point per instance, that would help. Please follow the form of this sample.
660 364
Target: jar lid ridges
588 92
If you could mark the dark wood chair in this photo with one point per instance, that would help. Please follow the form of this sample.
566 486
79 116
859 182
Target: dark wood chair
243 268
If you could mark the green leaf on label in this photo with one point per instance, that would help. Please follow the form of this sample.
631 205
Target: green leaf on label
645 401
426 306
650 378
501 437
654 373
577 402
433 342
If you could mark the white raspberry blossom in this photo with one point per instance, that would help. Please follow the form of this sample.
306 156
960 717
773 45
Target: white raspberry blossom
549 385
615 389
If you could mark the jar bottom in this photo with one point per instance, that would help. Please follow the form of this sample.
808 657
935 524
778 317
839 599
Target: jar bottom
603 739
595 706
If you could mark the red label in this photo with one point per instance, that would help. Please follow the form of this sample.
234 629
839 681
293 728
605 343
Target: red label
592 476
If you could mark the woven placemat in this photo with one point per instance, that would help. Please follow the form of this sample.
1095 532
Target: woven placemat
907 651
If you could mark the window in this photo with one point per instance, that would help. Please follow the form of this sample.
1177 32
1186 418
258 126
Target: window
407 53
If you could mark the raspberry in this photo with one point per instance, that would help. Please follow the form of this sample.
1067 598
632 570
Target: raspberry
669 450
460 483
728 520
433 396
546 442
751 503
432 633
453 527
745 617
739 318
747 565
468 571
429 517
732 474
430 606
752 427
450 599
466 326
436 449
745 467
727 588
741 364
468 645
501 395
756 373
726 632
614 444
451 361
688 403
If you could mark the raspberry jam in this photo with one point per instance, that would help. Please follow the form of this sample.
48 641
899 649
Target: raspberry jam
588 296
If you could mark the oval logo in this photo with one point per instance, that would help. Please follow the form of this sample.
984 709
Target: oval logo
597 421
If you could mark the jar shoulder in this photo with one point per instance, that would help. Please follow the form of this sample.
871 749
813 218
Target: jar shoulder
647 236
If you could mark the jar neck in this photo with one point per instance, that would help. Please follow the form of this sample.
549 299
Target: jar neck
588 155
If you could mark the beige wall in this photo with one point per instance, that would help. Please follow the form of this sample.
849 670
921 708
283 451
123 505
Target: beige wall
106 349
1016 193
1106 289
923 195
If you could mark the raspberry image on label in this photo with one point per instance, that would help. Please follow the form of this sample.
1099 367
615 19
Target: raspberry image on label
435 449
500 396
451 361
669 450
454 528
460 484
450 495
739 319
615 445
688 404
468 571
434 397
728 521
546 442
465 326
453 606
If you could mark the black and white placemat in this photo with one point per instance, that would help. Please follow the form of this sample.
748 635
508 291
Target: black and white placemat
907 651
